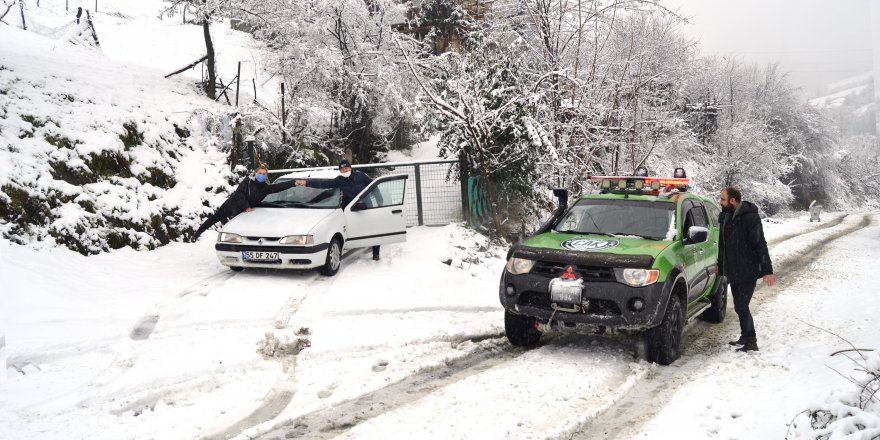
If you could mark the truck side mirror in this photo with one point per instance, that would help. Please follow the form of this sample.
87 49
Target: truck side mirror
698 234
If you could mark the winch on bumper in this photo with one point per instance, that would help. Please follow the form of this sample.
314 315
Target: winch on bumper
605 301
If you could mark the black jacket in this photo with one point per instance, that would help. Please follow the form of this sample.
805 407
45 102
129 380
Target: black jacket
351 186
250 193
743 255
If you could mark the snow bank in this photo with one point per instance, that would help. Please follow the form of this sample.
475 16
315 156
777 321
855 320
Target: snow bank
96 154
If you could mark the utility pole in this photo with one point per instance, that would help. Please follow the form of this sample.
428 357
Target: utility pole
283 118
875 14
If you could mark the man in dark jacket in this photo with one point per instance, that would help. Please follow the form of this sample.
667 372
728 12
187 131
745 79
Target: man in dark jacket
249 194
350 182
743 258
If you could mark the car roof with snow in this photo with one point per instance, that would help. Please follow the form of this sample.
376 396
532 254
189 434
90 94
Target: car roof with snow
320 173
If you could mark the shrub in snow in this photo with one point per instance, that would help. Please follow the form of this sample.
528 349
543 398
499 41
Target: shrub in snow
851 413
95 155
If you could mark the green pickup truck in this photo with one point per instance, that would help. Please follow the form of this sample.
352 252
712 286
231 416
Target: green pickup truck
639 256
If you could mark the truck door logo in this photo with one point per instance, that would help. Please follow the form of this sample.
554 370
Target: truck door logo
588 244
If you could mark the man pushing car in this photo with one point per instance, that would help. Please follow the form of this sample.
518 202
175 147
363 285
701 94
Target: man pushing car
350 182
249 194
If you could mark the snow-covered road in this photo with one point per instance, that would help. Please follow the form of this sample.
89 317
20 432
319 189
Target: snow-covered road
167 344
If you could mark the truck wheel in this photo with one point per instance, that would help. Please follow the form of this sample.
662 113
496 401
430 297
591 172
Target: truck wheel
334 258
520 330
663 341
716 312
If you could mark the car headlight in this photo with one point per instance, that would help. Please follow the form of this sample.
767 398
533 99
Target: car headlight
640 277
300 240
519 266
226 237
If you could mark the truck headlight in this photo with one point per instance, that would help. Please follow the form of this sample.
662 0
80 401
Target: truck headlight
226 237
519 266
300 240
640 277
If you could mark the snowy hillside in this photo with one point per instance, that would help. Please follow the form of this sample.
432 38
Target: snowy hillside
855 88
97 149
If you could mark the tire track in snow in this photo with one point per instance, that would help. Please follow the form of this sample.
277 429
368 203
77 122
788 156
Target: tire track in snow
811 228
643 403
145 326
329 422
284 388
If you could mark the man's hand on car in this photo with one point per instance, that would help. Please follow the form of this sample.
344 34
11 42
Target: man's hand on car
248 209
770 280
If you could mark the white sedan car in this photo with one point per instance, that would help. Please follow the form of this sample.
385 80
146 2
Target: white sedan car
303 228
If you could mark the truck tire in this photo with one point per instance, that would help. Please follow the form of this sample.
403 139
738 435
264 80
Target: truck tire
520 330
664 341
718 310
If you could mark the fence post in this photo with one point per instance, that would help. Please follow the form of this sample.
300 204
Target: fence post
237 82
463 179
419 196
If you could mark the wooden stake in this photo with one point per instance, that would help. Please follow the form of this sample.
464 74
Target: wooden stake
237 82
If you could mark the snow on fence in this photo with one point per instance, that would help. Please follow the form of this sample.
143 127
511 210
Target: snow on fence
433 193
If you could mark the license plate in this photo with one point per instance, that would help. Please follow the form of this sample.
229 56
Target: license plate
259 256
566 292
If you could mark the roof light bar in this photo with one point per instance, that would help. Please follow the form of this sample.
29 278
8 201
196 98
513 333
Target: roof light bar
639 183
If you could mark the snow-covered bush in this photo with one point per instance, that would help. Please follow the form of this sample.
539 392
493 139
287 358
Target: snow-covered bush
851 413
96 155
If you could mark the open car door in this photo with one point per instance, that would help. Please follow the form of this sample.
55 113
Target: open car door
376 216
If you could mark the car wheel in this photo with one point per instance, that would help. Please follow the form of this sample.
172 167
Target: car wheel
664 341
334 258
520 330
718 310
236 268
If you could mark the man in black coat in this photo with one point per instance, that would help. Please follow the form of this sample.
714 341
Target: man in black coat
250 193
743 258
350 182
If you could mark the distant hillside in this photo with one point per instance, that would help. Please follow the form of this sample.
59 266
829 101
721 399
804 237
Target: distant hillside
97 154
850 103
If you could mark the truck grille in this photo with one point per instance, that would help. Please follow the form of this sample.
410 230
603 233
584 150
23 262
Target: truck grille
588 273
599 307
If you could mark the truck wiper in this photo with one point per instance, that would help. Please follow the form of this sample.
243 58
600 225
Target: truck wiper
569 231
639 235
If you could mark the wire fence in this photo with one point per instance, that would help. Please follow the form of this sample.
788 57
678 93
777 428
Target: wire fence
433 189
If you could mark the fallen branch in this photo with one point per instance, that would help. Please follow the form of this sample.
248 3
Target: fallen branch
852 349
8 7
223 92
187 67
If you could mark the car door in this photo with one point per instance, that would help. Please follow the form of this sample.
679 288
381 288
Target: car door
377 216
706 257
690 254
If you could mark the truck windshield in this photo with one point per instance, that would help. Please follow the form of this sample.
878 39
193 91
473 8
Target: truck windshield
303 197
653 220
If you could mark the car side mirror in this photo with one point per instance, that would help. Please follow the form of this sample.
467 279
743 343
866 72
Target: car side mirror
359 206
698 234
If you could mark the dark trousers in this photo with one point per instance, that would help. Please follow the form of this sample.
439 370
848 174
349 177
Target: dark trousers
218 216
742 295
375 251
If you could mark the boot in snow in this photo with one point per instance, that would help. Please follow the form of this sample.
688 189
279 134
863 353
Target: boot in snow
750 345
740 341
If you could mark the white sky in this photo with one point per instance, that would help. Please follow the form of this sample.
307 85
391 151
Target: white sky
817 41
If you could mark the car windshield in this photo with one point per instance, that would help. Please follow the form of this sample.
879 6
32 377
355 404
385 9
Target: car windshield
303 197
652 220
